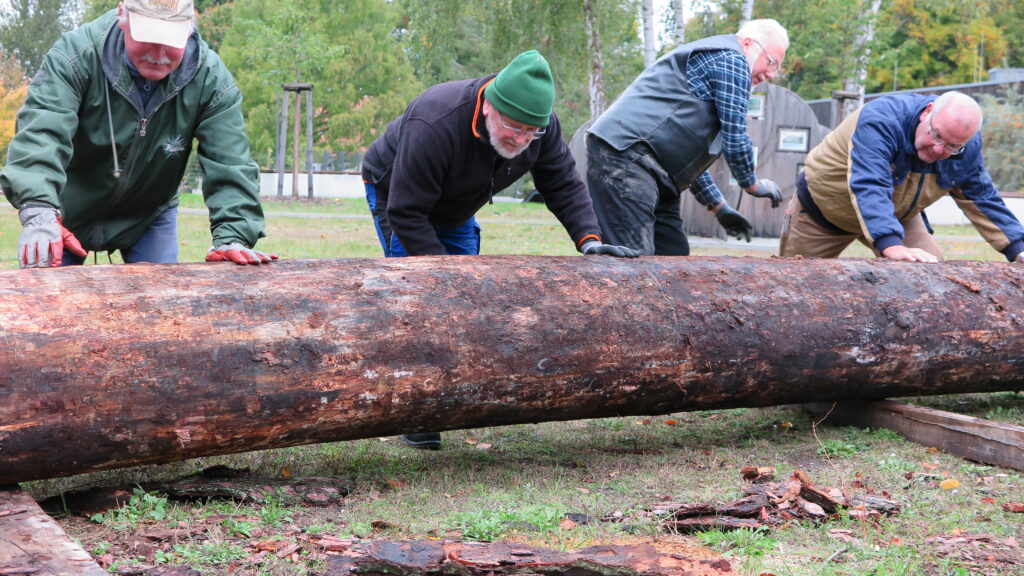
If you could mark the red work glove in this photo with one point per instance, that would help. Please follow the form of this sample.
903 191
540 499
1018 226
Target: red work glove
43 238
238 253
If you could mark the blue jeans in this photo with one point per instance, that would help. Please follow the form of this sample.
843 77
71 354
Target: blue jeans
158 244
463 240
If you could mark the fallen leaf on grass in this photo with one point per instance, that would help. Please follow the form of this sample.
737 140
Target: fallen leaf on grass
483 446
1017 507
566 524
583 491
671 422
949 484
988 500
396 484
845 536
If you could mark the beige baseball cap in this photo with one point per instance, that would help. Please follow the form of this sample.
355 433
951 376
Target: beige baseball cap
167 22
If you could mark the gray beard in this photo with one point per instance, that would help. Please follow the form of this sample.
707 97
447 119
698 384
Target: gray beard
496 143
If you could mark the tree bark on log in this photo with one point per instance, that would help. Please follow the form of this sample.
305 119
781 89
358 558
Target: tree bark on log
111 366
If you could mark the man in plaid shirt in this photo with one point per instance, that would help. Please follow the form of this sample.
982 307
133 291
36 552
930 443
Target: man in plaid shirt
665 130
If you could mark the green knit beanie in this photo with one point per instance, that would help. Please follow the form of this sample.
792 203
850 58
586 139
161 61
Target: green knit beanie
524 90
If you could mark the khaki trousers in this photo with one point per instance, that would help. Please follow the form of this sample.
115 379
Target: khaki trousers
802 236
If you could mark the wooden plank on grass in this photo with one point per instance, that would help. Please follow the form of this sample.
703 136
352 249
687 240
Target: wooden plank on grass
972 438
32 544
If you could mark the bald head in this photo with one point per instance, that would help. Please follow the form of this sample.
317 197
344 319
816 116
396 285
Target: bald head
958 113
946 126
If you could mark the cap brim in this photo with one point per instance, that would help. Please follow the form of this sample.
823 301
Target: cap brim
156 31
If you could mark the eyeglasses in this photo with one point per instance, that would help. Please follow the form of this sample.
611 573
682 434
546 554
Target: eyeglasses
773 64
528 133
937 140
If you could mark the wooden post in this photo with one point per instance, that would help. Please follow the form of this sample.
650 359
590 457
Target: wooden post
111 366
296 167
309 140
295 148
282 142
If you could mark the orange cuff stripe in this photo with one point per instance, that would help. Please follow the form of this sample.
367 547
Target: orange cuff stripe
587 237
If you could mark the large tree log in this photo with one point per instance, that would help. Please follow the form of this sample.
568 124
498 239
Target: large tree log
112 366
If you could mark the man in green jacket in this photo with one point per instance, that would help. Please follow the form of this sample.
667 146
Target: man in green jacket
105 133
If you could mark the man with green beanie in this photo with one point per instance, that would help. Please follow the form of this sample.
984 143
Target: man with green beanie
455 147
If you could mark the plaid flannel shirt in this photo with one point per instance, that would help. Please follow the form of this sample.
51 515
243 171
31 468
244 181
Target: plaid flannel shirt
723 76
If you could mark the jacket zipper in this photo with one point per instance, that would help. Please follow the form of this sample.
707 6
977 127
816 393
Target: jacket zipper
920 184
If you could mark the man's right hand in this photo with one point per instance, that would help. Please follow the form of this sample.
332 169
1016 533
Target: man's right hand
733 222
901 252
766 188
43 238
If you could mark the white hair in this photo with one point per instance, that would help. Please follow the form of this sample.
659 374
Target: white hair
767 31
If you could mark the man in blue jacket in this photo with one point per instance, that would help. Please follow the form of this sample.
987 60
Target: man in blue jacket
872 177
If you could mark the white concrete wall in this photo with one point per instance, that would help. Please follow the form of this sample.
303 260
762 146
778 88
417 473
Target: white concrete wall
943 212
946 212
324 185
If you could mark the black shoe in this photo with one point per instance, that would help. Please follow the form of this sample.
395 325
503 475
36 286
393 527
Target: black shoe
423 440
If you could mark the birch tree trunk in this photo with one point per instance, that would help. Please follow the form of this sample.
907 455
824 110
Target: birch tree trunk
748 12
647 19
854 84
679 10
598 103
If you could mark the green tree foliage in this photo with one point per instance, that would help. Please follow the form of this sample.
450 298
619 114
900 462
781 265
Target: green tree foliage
1003 146
917 43
823 49
349 51
12 94
28 28
940 42
457 39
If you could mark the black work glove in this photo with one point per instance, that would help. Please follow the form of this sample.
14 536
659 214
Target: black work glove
596 247
733 222
768 189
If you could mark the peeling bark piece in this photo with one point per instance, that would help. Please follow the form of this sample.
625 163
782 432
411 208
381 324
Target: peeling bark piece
705 523
437 558
821 498
881 505
749 507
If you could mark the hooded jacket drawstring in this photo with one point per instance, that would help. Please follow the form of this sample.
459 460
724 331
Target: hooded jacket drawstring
110 122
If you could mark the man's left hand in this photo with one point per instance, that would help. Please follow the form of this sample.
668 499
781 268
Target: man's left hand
595 247
238 253
767 189
1020 258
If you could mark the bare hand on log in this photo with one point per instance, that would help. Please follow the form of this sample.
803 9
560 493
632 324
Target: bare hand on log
901 252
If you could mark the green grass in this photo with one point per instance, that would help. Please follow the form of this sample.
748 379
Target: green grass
530 477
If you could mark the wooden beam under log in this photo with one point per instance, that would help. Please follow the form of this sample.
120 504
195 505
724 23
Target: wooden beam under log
112 366
969 437
33 544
